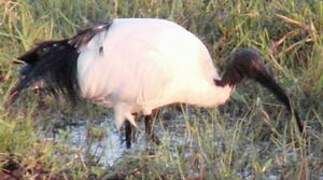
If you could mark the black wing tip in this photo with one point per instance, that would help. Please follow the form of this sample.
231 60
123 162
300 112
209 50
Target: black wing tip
32 55
55 61
84 36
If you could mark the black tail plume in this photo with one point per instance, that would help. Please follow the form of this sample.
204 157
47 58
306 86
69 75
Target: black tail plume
54 63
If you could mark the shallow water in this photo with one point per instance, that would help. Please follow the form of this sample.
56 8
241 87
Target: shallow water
110 146
106 150
103 147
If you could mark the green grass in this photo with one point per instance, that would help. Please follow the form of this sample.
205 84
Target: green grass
250 137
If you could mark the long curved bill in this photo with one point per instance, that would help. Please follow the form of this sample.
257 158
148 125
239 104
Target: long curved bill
268 82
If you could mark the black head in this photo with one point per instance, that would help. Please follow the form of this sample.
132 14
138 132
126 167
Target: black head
247 63
51 63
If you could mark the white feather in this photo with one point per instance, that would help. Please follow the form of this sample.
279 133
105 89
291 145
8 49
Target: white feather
146 64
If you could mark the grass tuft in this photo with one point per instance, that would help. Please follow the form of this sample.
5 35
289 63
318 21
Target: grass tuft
250 137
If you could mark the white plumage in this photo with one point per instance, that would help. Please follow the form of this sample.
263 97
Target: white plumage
144 64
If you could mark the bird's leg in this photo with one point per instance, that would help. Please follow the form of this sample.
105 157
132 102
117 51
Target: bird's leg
149 128
128 128
128 133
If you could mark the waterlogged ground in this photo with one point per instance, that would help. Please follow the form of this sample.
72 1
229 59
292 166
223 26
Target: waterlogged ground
99 139
104 150
99 142
251 137
233 142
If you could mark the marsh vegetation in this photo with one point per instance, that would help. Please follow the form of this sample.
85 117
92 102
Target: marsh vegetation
251 137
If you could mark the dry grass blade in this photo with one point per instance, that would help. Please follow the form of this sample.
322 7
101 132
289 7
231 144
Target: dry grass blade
279 42
227 142
295 22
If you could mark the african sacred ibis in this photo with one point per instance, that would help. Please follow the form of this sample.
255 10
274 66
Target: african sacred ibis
138 65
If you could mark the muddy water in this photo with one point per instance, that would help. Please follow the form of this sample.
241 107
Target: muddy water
110 146
106 150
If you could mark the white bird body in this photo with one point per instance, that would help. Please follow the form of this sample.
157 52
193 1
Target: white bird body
138 65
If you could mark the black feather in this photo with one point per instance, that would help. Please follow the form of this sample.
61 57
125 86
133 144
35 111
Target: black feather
84 36
55 63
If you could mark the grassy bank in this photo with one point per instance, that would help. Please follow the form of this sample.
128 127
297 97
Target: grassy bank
251 137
